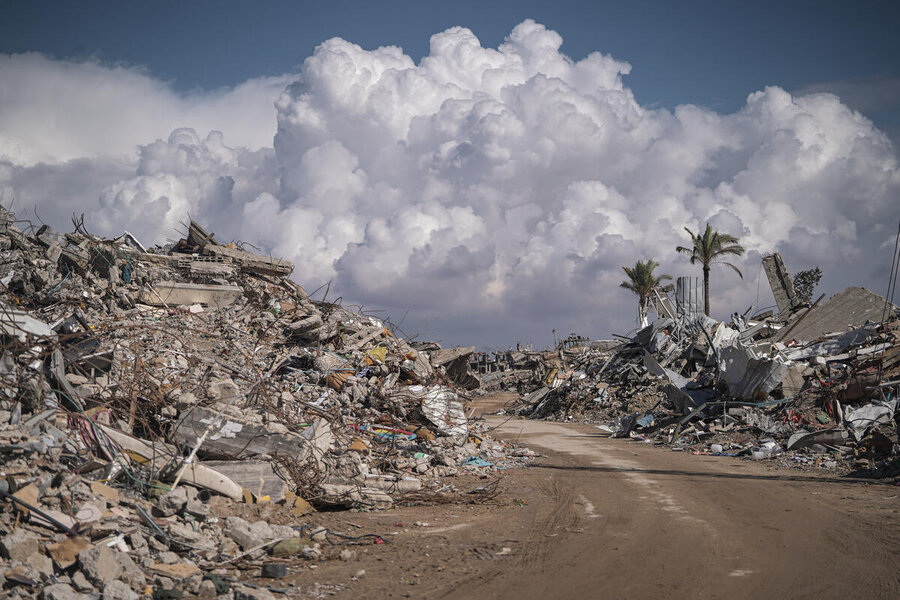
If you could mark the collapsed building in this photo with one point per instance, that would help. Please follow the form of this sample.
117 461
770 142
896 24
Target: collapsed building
145 390
808 385
141 387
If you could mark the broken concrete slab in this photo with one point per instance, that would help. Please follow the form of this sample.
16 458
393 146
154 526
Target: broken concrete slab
306 325
847 309
254 535
233 438
19 324
62 591
363 337
354 495
781 283
118 590
101 564
175 571
19 545
198 237
456 364
250 262
173 293
242 592
208 269
65 553
447 355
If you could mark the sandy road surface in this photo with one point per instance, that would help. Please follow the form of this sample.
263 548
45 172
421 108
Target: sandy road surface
601 518
661 524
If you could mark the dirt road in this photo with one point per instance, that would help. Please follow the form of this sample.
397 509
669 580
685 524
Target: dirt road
601 518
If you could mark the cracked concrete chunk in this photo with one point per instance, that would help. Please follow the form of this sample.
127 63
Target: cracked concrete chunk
61 591
101 564
19 545
247 593
118 590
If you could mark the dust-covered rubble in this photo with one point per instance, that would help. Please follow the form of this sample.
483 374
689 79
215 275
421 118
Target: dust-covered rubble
146 393
752 387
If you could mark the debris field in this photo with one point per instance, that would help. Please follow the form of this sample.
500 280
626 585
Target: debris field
807 386
172 418
148 394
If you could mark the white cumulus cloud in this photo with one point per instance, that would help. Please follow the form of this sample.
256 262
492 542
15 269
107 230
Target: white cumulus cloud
56 110
495 193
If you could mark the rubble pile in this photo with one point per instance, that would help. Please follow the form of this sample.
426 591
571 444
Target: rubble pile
143 388
814 387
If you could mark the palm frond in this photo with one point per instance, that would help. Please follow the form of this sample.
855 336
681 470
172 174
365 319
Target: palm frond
736 270
726 238
737 250
641 279
711 245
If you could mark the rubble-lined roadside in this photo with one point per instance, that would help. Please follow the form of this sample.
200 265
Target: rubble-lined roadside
811 386
143 388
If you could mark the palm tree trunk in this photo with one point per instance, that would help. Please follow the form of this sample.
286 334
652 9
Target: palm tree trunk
706 289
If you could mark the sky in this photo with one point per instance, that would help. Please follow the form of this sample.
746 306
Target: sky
480 170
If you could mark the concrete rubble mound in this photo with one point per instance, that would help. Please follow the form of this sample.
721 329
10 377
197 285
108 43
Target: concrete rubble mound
812 387
146 392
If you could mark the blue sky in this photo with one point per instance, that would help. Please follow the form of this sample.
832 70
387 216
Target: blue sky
711 53
490 180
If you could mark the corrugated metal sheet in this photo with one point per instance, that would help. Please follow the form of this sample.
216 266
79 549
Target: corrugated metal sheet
689 296
849 308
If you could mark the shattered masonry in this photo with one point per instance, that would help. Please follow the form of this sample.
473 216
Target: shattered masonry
146 393
143 390
811 387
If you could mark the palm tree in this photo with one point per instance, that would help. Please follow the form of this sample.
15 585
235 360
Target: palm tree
642 282
708 249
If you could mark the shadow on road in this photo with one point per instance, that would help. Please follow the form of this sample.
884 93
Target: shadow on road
682 473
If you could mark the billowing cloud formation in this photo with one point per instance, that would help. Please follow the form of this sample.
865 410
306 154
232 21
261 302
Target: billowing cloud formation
186 175
60 110
496 193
